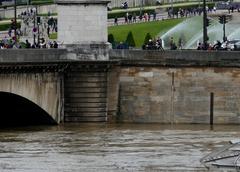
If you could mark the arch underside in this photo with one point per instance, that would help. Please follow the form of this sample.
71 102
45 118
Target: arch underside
31 94
19 111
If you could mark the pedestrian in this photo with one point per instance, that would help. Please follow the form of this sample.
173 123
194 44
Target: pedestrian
48 30
159 44
154 16
180 43
28 45
126 19
134 18
199 47
55 44
116 21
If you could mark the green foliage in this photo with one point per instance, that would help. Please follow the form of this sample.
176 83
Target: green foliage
23 44
130 40
147 37
32 2
40 2
53 36
111 38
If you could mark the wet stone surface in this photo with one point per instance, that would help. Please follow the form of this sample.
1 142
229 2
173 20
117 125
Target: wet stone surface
105 148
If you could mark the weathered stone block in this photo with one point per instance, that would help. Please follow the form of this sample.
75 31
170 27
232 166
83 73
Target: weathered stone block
77 17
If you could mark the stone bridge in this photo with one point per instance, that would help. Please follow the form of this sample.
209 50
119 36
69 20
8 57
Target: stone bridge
52 86
132 86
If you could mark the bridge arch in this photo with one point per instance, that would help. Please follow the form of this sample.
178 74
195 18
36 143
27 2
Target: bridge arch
16 110
40 91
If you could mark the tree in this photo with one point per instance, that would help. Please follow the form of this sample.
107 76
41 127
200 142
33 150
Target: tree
130 40
111 38
147 37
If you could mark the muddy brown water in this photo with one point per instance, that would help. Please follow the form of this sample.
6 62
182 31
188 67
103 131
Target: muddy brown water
110 148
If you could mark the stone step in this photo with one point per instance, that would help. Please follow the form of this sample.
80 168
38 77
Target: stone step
87 114
86 104
85 90
86 100
85 84
85 119
88 70
88 67
85 109
86 74
85 95
87 79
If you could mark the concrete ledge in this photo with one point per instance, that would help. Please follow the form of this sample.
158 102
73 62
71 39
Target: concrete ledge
32 55
176 58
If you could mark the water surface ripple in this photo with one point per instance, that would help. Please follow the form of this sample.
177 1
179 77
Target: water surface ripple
105 148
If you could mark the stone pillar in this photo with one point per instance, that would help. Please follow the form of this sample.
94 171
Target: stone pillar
82 27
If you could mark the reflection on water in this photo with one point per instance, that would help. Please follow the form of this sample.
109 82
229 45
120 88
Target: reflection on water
104 147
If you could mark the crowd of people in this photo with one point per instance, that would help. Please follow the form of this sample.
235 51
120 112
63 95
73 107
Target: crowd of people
8 43
188 12
171 13
159 44
42 44
155 44
218 45
36 32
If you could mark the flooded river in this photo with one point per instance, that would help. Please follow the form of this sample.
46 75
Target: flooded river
105 148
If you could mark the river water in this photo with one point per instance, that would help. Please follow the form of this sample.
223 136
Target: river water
105 147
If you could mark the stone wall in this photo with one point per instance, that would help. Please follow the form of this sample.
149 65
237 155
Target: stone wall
175 87
173 95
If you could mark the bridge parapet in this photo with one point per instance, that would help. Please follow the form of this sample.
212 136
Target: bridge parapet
32 55
176 58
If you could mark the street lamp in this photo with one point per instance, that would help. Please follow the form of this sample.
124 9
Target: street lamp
205 36
141 8
15 19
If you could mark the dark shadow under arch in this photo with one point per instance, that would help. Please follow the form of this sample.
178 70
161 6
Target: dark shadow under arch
19 111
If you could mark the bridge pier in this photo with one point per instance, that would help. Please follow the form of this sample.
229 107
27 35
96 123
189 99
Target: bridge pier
89 96
82 28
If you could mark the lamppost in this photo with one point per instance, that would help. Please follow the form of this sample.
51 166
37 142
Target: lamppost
15 19
205 36
34 28
141 8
